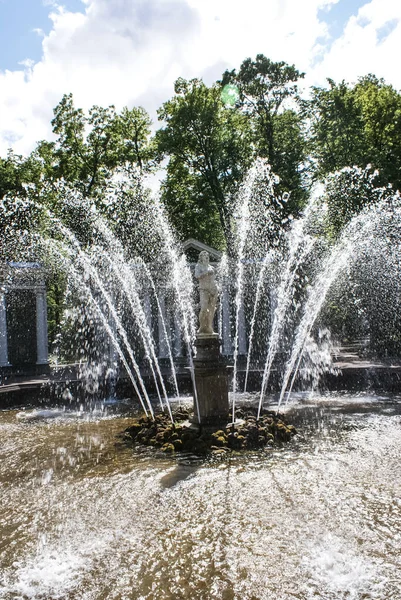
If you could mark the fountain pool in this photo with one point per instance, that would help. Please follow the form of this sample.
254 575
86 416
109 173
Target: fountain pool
85 517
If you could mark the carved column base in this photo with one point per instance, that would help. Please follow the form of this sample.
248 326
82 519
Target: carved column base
211 381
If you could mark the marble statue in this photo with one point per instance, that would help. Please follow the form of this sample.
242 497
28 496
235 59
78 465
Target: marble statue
208 291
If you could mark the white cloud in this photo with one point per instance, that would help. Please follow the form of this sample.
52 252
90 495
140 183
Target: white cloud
130 53
363 48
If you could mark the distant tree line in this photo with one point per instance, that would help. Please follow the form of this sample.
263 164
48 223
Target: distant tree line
210 135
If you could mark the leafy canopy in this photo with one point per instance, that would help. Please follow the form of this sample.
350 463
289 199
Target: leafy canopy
209 149
268 95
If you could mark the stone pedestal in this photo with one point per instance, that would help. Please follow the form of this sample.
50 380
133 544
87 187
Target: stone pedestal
211 381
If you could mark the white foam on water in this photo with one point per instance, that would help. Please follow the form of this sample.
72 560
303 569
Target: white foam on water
37 414
297 523
335 570
51 574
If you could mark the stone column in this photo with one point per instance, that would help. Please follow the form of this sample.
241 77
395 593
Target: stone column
163 344
41 328
242 348
177 336
273 305
147 309
225 327
3 331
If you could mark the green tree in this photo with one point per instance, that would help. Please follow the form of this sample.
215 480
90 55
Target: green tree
190 205
348 191
89 147
356 125
17 171
379 105
87 150
336 128
268 93
209 147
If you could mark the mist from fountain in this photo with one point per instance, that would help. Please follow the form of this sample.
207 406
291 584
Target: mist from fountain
305 266
84 516
374 222
259 290
300 245
243 227
291 261
163 324
104 279
79 259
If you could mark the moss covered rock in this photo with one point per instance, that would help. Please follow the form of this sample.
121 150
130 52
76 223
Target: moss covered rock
168 448
247 433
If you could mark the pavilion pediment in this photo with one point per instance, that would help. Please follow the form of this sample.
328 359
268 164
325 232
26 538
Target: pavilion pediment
193 247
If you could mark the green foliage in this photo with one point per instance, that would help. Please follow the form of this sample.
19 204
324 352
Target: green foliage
335 128
290 159
16 172
190 207
209 146
89 147
356 125
78 165
380 108
21 221
132 213
70 208
265 87
347 192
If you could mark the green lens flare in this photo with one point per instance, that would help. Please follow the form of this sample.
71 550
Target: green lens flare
230 94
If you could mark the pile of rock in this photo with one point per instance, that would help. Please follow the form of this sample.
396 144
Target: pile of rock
246 433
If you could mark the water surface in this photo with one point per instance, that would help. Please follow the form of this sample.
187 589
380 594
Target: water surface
84 517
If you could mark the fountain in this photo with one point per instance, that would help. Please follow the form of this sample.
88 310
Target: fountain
277 285
86 516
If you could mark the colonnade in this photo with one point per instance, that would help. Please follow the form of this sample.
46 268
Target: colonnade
167 323
41 328
3 330
162 319
42 357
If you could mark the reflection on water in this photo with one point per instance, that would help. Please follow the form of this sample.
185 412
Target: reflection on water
84 517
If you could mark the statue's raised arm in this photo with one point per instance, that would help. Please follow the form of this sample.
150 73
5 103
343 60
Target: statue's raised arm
208 292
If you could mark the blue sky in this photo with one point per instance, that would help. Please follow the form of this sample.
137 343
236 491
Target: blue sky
337 15
18 21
